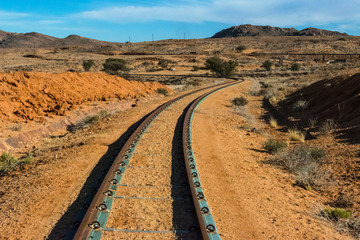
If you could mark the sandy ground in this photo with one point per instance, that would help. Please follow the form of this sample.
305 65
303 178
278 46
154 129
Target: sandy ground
249 199
42 199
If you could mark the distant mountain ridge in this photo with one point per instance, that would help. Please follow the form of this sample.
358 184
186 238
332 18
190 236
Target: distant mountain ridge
253 30
29 40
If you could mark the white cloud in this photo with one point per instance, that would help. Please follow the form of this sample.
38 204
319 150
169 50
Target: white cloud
271 12
7 15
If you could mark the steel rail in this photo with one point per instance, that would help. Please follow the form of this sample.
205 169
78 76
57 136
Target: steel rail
97 214
206 221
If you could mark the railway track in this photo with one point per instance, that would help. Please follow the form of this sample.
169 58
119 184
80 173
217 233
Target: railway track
153 190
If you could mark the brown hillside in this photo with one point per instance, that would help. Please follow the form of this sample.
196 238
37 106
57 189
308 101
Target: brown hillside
31 96
252 30
337 99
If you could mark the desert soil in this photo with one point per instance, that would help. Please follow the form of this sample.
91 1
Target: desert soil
250 199
42 199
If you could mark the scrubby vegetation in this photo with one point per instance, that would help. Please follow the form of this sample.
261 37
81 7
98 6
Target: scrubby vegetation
336 214
9 163
305 162
87 64
296 135
88 121
240 48
221 67
115 66
274 146
267 65
162 91
239 101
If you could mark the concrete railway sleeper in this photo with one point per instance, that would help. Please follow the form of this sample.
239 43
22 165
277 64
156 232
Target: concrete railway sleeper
93 225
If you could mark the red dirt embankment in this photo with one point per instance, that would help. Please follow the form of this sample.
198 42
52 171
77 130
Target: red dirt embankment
34 95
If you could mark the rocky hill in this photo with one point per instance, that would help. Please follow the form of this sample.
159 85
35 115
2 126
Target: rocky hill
29 40
252 30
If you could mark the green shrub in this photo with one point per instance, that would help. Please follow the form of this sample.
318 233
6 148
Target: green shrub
239 101
274 146
87 64
9 163
221 67
240 48
162 91
267 65
114 65
295 67
327 127
336 214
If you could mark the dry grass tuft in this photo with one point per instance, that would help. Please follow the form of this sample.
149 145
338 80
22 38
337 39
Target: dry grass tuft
9 163
296 135
273 122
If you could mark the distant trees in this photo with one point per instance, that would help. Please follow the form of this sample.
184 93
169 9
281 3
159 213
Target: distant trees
87 64
267 65
115 66
221 67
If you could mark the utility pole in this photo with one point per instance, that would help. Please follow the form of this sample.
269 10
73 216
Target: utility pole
152 35
129 39
184 36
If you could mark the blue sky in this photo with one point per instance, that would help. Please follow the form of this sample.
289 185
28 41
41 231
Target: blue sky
140 20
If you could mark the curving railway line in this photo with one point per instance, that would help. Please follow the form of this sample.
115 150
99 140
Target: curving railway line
153 189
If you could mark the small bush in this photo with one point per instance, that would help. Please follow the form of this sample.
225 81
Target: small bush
240 48
327 127
163 63
295 67
274 146
239 101
87 64
296 135
221 67
162 91
9 163
304 162
336 214
273 122
267 65
114 66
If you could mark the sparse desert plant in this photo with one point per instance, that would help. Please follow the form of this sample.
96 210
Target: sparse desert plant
295 67
87 64
273 122
274 146
312 122
336 214
163 63
240 48
296 135
221 67
327 127
9 163
352 225
162 91
195 68
239 101
300 105
267 65
87 121
114 66
303 161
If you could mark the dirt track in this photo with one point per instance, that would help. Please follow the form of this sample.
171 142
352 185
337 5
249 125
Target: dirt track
249 199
